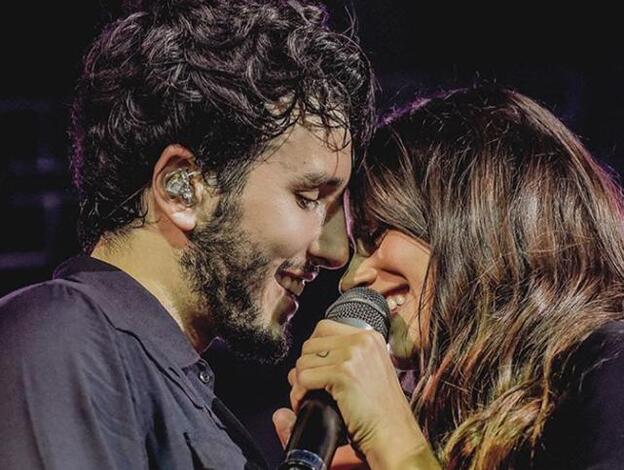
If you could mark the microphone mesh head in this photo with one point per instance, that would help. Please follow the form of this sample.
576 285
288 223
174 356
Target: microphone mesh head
362 303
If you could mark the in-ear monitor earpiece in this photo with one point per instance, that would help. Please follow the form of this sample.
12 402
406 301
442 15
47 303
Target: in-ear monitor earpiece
179 184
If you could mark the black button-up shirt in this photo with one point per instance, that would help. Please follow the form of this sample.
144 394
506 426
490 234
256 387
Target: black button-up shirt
95 374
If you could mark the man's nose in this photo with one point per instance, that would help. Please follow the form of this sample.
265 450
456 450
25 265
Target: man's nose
330 249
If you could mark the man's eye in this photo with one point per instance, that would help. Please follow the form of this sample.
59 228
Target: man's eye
308 202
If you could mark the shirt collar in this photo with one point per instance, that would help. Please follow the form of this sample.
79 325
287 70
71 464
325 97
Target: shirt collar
130 307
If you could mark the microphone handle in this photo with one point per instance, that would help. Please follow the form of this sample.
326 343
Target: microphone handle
318 431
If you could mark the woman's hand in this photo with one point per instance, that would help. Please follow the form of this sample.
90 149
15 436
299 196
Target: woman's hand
354 366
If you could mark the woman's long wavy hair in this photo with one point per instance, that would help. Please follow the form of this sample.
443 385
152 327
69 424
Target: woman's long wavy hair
527 260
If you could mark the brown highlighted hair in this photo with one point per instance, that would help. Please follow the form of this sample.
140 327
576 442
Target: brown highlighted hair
527 260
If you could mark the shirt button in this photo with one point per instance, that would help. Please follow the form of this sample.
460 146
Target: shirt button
204 376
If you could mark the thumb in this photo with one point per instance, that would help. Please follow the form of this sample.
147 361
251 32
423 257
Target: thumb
284 420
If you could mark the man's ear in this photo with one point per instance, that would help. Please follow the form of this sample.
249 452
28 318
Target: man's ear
178 189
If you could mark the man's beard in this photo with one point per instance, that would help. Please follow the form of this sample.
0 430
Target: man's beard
227 273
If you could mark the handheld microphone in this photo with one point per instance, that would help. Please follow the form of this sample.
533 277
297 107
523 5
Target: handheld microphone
319 428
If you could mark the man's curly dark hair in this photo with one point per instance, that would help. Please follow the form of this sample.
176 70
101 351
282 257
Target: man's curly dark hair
220 77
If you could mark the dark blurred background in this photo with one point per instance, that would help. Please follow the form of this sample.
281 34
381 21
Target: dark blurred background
41 49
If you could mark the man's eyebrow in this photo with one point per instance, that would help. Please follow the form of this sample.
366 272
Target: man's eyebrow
316 179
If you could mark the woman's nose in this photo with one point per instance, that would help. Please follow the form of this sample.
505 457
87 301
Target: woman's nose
360 272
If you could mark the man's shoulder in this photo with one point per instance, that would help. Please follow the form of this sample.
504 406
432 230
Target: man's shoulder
58 297
46 315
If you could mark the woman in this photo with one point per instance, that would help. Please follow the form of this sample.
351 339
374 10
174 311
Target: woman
498 243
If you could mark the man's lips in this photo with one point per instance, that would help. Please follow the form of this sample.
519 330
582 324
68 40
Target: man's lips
294 283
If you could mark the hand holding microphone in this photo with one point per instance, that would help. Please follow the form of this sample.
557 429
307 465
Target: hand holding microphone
350 362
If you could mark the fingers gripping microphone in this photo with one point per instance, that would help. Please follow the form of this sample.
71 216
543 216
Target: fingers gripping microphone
319 428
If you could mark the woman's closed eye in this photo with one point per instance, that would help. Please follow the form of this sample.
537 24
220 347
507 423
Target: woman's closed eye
368 239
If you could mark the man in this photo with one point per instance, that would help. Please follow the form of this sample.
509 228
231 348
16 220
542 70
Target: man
212 143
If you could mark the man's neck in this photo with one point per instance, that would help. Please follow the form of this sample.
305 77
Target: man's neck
145 256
